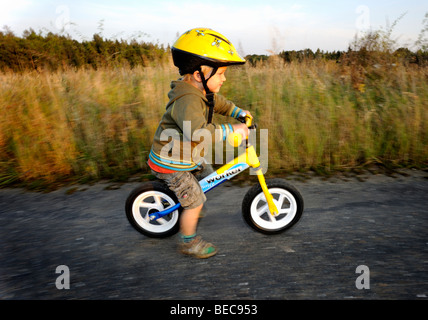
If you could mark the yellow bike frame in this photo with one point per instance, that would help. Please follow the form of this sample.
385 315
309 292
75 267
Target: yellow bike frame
250 157
247 159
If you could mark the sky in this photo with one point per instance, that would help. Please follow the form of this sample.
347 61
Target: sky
254 27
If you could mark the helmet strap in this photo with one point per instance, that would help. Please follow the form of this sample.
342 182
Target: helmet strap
208 93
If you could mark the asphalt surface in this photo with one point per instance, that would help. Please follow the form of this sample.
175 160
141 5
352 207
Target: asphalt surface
377 221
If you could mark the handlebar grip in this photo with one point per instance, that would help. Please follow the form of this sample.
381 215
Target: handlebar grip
245 118
248 120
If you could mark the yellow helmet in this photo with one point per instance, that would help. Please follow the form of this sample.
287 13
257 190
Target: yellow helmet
203 46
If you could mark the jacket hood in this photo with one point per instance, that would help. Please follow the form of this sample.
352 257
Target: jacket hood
181 88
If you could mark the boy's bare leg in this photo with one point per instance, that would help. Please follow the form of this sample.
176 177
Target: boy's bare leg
189 221
191 244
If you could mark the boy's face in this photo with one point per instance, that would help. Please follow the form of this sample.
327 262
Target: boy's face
216 81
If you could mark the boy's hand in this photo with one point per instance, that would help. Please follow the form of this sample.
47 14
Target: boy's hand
241 129
248 113
244 113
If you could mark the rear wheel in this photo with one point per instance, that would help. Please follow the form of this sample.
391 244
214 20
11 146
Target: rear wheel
287 199
146 199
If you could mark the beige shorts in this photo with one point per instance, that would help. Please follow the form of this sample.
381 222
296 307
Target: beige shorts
185 185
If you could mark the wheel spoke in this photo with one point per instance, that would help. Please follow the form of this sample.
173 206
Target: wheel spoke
280 201
158 201
265 209
262 210
161 221
271 217
282 198
146 205
285 211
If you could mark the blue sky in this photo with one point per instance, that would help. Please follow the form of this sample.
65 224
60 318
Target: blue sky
253 26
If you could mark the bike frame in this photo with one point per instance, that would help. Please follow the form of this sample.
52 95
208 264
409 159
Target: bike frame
242 162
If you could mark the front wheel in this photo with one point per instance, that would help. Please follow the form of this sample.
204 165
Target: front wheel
287 199
146 199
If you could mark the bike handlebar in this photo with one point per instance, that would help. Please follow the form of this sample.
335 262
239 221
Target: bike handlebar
247 119
235 139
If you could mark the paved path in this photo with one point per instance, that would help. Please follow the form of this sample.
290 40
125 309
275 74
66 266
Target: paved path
380 223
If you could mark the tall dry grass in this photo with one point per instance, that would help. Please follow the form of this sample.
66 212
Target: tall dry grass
321 115
320 118
86 124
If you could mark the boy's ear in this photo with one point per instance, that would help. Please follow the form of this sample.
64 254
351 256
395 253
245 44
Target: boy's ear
197 76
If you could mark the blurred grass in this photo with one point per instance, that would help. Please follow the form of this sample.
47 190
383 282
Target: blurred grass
87 125
84 125
320 119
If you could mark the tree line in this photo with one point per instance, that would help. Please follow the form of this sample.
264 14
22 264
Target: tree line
52 52
404 55
35 51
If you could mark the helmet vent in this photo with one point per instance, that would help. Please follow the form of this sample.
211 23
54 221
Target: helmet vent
217 37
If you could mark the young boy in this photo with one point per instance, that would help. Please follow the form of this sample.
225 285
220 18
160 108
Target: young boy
202 56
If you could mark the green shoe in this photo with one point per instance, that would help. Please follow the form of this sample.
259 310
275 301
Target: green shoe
198 248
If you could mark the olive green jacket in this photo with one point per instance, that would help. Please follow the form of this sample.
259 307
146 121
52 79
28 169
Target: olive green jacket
177 143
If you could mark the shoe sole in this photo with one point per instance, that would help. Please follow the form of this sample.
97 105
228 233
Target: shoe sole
204 256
